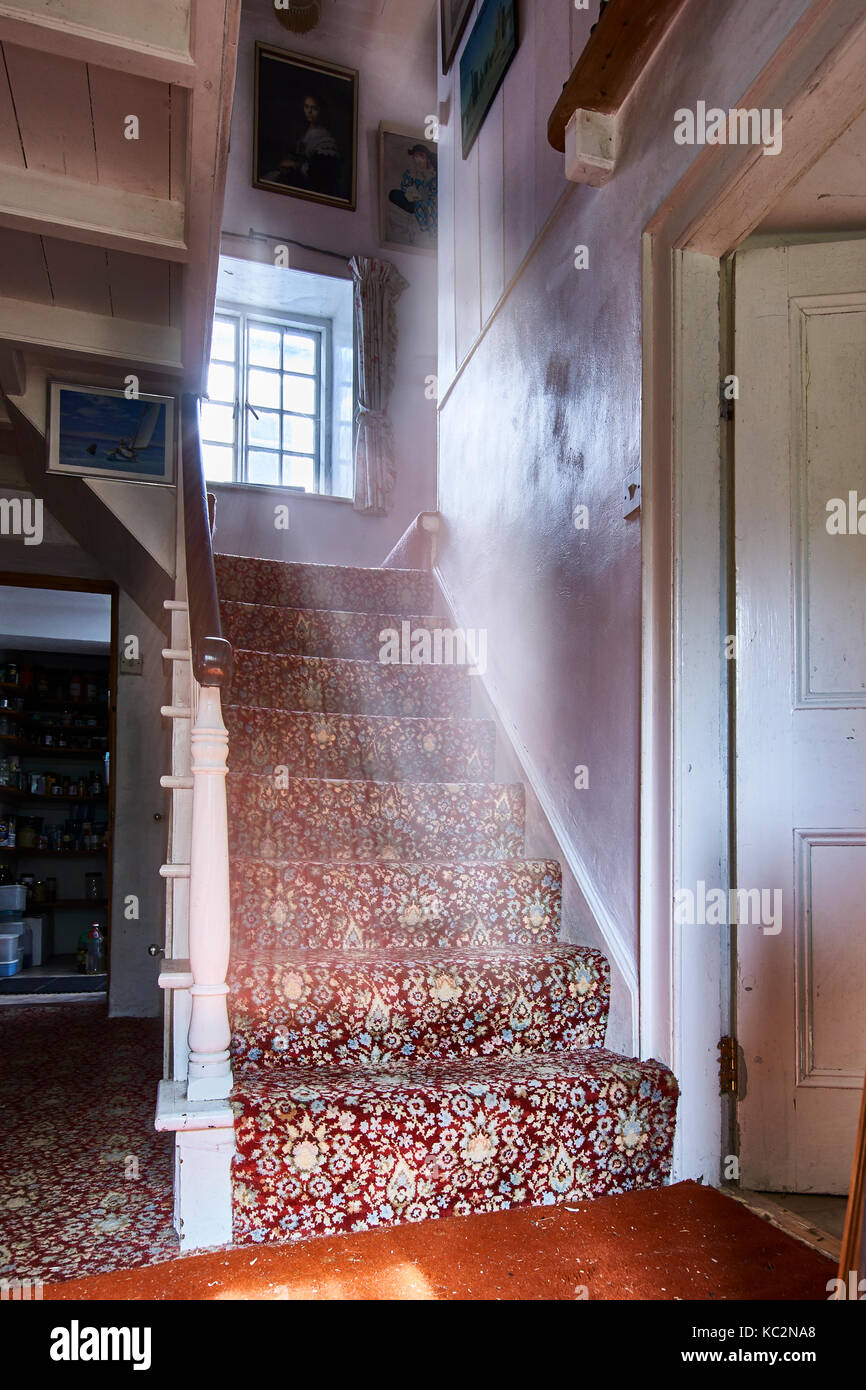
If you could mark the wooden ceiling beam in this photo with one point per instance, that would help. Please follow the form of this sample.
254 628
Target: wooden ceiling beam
24 324
53 205
51 32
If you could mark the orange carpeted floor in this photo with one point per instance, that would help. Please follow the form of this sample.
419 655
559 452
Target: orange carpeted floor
680 1242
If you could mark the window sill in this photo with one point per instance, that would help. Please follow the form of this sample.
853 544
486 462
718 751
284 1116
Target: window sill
285 492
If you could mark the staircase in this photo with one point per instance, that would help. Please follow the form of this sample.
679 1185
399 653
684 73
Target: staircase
410 1038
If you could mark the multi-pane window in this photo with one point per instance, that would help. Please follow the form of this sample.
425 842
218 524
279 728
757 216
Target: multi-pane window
266 419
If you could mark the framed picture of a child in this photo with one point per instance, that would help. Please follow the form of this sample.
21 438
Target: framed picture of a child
305 127
407 190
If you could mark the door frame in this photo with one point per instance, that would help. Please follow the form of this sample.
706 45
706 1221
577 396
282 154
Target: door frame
686 829
24 579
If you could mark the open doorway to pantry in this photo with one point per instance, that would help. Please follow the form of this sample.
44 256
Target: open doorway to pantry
58 640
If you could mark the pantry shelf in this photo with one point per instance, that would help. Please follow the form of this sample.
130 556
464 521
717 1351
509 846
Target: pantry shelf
39 750
16 794
21 852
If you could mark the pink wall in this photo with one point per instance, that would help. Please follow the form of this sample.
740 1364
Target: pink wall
542 409
398 85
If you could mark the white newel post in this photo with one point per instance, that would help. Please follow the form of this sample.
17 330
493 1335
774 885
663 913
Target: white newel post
210 1076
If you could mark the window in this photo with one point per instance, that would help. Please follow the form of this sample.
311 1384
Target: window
267 417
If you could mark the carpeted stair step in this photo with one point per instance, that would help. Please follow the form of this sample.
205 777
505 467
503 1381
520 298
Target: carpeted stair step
312 818
340 686
292 584
315 631
378 748
510 902
401 1008
324 1150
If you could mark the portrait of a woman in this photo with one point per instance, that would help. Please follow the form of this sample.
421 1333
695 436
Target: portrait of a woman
305 127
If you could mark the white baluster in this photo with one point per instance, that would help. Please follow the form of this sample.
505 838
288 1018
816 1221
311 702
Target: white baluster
210 1076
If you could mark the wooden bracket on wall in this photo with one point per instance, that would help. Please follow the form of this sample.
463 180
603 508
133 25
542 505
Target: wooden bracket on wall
585 122
590 147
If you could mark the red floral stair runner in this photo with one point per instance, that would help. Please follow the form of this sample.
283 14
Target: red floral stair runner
410 1038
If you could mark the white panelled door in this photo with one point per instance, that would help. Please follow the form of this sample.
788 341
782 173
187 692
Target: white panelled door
800 482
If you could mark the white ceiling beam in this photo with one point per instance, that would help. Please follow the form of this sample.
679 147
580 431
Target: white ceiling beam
50 31
132 345
53 205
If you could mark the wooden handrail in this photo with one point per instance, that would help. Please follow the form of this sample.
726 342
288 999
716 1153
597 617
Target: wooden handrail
211 653
620 47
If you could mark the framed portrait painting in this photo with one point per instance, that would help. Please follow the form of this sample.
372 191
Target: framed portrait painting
483 64
453 15
305 128
408 189
102 433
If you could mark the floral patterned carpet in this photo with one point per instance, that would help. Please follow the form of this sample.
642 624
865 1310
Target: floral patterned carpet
411 1037
85 1181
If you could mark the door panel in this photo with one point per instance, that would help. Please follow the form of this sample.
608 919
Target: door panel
800 350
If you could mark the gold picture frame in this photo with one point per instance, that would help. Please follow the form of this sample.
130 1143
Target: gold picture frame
305 127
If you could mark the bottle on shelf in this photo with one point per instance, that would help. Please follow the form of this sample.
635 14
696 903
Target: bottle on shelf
95 951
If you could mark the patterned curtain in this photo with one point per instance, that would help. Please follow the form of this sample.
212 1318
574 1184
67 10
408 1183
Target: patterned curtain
378 286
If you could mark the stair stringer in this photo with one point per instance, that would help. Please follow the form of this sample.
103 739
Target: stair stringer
609 934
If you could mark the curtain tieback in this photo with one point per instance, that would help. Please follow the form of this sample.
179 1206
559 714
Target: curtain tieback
373 417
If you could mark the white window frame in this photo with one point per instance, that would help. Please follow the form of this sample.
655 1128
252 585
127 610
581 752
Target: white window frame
321 330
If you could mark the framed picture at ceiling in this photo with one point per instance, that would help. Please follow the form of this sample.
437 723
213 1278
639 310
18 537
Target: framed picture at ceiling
484 62
407 190
98 432
453 15
305 128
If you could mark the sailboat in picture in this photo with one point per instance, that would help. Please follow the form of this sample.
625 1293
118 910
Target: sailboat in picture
103 433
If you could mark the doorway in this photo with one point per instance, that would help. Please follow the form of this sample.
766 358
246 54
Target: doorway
57 739
800 559
688 819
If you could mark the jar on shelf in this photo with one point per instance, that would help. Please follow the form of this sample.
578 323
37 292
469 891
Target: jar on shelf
27 833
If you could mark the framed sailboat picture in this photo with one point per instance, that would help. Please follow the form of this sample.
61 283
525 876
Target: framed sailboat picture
102 433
